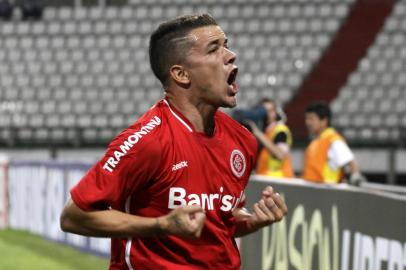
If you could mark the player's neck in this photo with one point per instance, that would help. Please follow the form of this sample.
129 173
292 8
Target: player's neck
320 131
199 114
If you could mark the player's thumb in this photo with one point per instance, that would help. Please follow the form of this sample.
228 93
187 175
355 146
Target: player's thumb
196 214
193 209
267 192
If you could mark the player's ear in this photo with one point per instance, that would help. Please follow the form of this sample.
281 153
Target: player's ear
179 74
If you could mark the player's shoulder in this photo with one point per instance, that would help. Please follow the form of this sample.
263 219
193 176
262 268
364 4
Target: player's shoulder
142 132
332 135
139 141
234 128
281 127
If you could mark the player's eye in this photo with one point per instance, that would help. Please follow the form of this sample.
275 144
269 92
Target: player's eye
213 49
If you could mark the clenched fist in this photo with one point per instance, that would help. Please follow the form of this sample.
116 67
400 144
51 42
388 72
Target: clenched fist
185 221
269 209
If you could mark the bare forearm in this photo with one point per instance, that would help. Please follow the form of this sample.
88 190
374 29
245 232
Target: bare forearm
187 221
353 173
246 222
353 166
107 223
243 228
272 148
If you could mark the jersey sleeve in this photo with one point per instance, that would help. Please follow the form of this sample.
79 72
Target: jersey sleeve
339 154
125 169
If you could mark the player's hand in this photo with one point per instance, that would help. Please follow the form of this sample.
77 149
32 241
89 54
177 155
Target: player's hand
271 208
356 179
185 221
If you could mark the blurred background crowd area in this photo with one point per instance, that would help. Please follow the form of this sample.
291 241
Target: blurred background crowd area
75 73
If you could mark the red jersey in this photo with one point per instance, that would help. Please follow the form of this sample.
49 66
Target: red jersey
160 163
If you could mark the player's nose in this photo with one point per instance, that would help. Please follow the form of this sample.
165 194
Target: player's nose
230 56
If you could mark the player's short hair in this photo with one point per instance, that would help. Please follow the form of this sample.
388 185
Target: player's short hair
321 109
168 45
280 114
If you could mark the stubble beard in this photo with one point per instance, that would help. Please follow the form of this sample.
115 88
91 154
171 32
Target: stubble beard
232 104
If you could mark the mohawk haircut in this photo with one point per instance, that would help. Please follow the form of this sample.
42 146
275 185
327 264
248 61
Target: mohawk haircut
169 43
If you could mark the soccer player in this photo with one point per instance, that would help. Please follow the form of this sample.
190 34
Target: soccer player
274 158
328 157
170 189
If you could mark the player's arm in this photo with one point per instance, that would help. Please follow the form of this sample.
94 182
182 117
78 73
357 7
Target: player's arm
270 209
278 150
345 159
352 167
184 221
355 177
106 186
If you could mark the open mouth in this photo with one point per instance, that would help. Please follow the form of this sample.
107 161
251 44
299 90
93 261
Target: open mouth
232 84
232 77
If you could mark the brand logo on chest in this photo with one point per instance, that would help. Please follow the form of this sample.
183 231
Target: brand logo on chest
237 163
179 196
179 165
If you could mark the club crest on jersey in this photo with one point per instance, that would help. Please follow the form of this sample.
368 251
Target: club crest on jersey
237 163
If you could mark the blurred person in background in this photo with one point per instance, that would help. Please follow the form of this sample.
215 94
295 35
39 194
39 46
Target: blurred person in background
274 158
170 188
327 159
6 9
32 9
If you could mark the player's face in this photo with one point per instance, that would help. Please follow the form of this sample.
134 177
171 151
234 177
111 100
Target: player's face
271 112
211 69
314 124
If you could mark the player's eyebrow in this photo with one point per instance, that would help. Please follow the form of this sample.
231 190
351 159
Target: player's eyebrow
217 41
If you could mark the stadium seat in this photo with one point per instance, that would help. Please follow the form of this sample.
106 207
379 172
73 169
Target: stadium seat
378 83
78 57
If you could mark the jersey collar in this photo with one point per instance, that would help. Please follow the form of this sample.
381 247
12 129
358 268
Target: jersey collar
185 122
179 116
